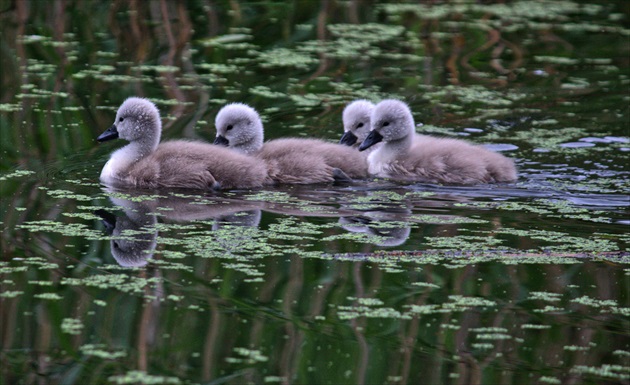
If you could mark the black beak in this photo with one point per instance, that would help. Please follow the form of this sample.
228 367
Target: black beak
348 138
221 141
109 134
109 220
371 140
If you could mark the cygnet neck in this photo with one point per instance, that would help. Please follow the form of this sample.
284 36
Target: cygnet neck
253 145
403 144
399 145
145 145
151 129
134 151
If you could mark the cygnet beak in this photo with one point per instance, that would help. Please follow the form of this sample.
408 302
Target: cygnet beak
348 138
109 134
221 141
371 140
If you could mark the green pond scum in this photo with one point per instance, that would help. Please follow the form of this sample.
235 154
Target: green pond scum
372 282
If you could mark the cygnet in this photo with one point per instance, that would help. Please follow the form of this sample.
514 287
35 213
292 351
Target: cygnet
289 160
145 163
425 158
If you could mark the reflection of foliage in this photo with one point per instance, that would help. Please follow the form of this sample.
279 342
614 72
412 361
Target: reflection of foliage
474 94
515 12
366 33
282 57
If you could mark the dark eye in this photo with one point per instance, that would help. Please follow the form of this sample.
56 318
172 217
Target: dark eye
385 124
121 119
229 127
359 125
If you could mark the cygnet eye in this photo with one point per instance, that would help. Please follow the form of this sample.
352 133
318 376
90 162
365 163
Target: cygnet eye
229 127
121 119
385 124
360 125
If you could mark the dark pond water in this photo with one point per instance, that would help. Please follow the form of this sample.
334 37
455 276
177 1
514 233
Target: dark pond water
376 282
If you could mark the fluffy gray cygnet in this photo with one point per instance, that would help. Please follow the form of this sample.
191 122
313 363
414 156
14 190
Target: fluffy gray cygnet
289 160
407 156
147 163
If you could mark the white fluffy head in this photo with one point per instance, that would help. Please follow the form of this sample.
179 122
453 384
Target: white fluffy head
392 119
356 118
241 126
138 119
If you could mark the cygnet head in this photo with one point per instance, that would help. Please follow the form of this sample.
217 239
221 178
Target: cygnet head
391 120
356 122
135 250
239 126
137 120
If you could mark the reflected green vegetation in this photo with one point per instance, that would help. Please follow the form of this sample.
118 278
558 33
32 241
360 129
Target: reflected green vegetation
373 282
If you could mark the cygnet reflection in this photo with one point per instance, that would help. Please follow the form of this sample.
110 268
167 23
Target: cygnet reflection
134 232
388 236
249 218
134 236
386 232
236 232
